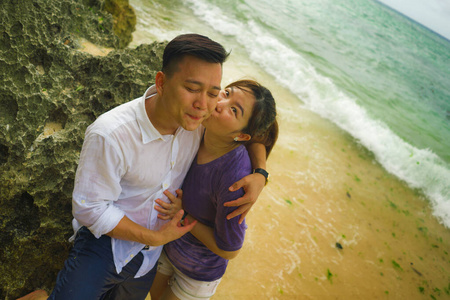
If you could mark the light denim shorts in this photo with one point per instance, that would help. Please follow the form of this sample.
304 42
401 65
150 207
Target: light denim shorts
183 286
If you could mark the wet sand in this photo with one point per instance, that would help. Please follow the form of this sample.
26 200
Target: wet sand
333 224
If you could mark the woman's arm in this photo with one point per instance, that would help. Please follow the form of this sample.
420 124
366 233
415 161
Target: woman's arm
205 234
168 210
202 232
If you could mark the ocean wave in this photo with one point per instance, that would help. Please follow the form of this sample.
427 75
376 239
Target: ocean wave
419 168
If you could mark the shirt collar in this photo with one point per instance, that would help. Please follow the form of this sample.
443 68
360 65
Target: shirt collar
148 131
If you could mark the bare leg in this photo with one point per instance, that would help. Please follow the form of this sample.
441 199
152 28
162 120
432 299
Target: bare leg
159 285
36 295
169 295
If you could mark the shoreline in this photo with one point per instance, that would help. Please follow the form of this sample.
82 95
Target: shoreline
355 105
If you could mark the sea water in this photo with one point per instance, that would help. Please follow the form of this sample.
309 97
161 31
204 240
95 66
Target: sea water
376 74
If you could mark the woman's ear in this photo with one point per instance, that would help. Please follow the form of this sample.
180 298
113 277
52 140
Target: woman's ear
244 137
160 78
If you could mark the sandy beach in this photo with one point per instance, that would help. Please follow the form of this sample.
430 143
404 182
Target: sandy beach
332 223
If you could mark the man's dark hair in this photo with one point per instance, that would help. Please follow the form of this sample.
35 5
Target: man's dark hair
196 45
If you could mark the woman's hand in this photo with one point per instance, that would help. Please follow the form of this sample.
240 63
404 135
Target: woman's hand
168 210
253 185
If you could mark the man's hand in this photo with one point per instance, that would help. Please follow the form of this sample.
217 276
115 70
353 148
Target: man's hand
131 231
168 210
253 184
173 229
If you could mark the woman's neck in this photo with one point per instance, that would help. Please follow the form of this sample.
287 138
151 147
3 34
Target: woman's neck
212 147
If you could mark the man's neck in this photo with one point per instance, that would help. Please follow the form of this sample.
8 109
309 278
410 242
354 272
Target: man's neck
158 117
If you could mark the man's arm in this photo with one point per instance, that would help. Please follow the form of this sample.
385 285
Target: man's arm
253 184
258 155
97 185
128 230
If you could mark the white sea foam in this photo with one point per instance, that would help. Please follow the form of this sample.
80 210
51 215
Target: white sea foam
420 168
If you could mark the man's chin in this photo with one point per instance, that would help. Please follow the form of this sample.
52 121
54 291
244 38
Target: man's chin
190 126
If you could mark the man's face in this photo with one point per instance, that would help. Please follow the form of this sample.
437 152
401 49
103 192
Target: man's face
191 93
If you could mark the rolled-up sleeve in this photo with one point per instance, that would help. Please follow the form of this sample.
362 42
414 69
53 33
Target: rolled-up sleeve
97 185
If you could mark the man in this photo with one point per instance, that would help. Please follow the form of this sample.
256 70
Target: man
130 156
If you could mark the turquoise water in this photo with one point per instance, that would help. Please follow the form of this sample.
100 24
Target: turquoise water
376 74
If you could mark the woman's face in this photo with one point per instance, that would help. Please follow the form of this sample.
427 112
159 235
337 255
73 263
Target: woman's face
232 112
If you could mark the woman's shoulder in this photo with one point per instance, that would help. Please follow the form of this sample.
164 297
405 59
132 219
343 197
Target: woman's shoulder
237 158
234 165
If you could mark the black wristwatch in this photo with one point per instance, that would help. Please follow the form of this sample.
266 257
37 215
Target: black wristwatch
263 173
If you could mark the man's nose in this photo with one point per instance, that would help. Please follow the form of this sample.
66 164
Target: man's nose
201 102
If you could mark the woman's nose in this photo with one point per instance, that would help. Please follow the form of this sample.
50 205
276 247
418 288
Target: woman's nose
220 105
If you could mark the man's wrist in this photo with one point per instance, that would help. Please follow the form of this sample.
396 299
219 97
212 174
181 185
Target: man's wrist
184 217
263 173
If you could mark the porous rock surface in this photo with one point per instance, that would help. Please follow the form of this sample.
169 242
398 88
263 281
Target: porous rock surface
50 91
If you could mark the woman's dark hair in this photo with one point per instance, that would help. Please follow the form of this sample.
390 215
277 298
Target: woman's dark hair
262 125
193 44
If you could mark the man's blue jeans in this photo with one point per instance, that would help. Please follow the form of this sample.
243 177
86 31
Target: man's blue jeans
90 274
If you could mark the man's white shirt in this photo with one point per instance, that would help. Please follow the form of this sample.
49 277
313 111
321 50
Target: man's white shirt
125 165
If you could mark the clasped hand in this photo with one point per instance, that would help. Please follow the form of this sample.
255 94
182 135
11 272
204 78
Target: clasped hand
252 184
168 210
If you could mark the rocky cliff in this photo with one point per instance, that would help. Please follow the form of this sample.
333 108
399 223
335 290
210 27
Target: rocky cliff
55 79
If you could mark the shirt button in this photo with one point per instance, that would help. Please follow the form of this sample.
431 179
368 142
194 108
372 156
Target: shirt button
165 185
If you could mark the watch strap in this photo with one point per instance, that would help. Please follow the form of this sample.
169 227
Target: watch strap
262 172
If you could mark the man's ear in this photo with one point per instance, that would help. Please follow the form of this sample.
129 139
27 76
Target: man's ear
160 79
244 137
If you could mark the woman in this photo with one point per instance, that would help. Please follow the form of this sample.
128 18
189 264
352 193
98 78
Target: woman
192 266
